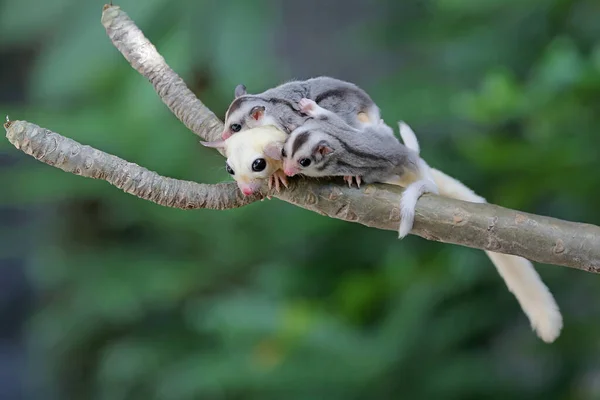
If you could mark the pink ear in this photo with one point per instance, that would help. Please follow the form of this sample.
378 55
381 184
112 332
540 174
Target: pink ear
218 144
273 150
324 149
257 112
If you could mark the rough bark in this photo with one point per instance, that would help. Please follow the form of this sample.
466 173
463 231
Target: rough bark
71 156
482 226
145 59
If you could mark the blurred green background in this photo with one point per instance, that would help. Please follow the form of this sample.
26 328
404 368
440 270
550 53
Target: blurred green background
106 296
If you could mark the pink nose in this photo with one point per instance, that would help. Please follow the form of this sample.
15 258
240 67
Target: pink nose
247 191
226 135
289 171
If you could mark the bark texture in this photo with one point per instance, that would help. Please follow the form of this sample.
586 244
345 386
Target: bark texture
144 58
71 156
482 226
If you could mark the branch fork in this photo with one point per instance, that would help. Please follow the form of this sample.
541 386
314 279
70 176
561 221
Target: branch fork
482 226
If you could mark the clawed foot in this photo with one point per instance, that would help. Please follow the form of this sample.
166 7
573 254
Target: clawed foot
277 179
308 106
349 180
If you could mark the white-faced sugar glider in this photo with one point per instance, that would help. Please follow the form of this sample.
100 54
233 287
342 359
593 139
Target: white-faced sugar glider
253 157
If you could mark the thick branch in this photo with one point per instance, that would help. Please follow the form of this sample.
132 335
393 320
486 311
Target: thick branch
479 225
482 226
144 58
70 156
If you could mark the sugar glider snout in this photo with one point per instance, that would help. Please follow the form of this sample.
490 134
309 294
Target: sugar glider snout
289 169
249 188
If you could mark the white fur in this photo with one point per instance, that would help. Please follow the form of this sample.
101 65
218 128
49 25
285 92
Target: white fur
410 196
518 273
408 137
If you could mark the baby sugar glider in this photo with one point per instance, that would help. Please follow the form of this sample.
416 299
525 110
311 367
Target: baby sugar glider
326 146
254 156
279 106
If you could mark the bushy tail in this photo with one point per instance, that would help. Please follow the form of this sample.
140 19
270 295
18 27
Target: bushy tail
413 190
408 137
518 273
411 195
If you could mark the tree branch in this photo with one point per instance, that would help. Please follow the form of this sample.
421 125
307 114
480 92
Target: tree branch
145 59
71 156
482 226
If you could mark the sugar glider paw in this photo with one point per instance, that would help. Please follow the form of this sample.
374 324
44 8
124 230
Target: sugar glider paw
277 179
350 180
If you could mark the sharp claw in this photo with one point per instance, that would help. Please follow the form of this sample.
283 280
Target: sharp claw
284 180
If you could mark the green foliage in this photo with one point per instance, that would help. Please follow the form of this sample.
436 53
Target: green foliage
270 301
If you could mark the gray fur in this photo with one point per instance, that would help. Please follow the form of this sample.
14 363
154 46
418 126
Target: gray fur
373 153
343 98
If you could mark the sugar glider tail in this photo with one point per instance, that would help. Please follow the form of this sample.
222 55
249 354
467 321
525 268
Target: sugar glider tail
408 137
518 273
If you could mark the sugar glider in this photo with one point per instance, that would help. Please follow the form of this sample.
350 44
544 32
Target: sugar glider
278 106
253 157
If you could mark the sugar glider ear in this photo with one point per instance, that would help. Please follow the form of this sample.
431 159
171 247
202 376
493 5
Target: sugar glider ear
240 90
257 112
323 149
273 150
218 144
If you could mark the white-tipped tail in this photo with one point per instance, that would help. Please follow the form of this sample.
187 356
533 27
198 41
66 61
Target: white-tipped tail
408 137
518 273
410 196
532 294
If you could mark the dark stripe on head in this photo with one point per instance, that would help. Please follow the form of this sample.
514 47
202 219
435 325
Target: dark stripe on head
237 103
300 140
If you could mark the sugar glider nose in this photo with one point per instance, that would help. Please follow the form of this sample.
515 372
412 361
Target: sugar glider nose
289 171
247 191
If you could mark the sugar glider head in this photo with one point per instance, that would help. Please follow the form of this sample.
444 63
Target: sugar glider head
252 156
247 111
308 151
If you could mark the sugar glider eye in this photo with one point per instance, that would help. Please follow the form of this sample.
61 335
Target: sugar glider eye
283 154
259 164
305 162
229 170
235 127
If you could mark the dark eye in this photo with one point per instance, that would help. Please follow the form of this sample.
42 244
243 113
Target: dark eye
283 153
235 127
229 170
259 164
305 162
